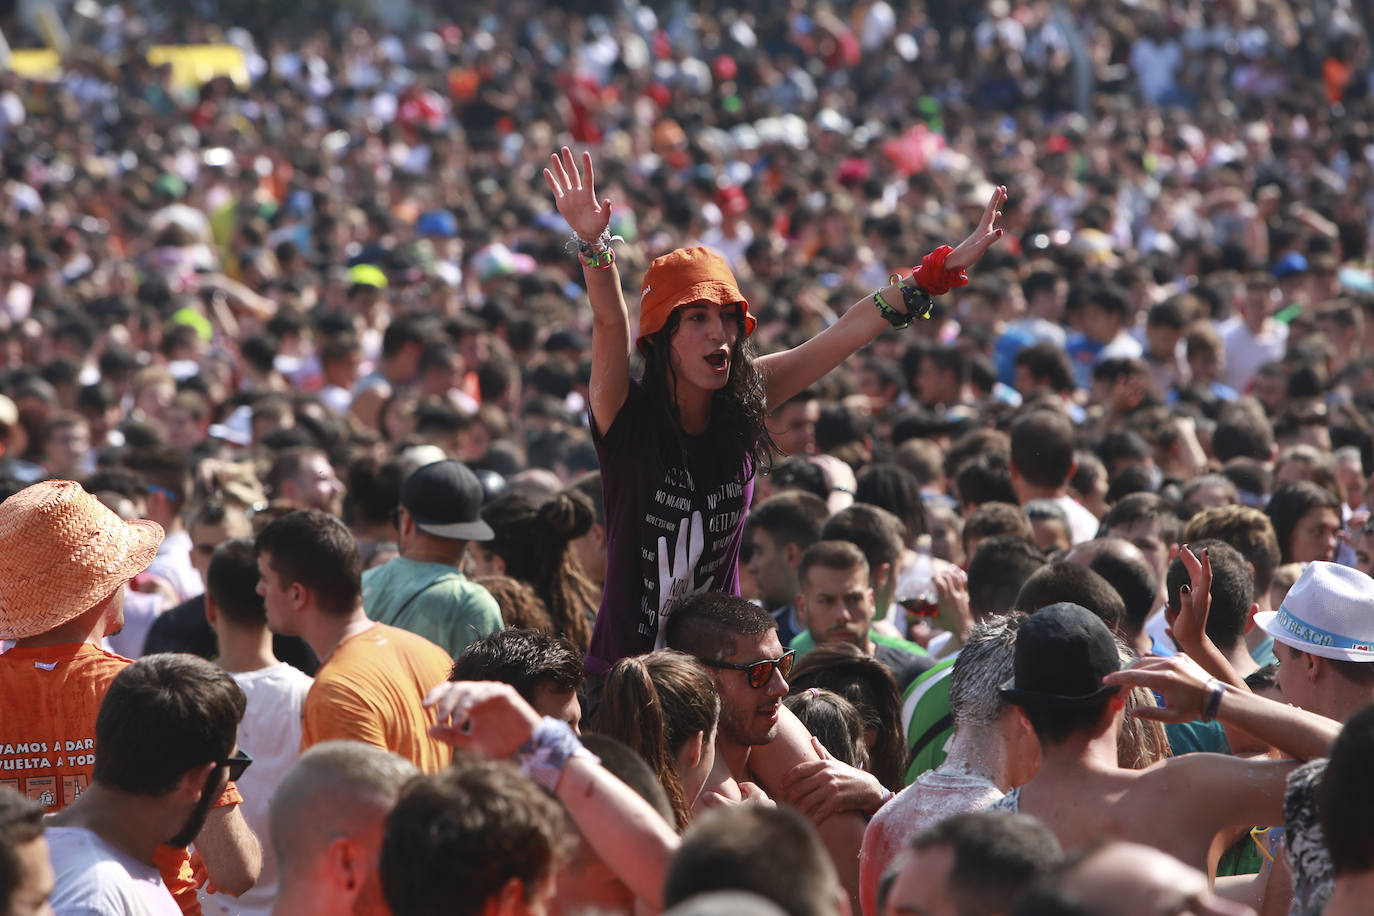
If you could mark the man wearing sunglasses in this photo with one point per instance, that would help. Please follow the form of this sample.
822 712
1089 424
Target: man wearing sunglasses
165 747
760 741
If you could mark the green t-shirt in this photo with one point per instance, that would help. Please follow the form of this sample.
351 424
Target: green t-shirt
906 660
929 720
1243 858
432 600
803 643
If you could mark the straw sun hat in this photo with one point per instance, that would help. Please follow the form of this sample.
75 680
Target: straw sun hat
61 552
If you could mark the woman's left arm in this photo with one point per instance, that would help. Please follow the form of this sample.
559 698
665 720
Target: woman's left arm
789 371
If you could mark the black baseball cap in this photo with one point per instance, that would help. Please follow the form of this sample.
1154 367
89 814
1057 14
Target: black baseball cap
445 499
1062 653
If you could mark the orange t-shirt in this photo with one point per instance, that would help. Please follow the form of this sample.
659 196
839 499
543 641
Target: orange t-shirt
370 689
47 730
47 739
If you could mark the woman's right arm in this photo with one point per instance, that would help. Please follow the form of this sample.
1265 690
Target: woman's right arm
574 193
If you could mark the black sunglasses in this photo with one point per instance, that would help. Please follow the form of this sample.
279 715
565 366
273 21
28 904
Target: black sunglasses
761 671
236 764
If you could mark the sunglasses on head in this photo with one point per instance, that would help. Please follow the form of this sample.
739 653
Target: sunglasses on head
236 764
761 671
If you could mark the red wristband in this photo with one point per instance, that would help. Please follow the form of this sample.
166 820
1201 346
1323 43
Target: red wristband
932 276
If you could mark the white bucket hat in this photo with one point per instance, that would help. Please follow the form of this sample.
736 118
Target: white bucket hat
1329 612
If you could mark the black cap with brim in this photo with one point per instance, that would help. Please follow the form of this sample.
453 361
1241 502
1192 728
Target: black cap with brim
457 531
1063 652
1012 694
445 499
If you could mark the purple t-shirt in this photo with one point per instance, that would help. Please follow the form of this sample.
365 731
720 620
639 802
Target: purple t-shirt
671 531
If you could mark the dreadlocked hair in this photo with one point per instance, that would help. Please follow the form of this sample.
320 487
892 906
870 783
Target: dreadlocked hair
535 541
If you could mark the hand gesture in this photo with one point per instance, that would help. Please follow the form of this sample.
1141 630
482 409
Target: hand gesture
483 716
987 232
1178 679
1188 628
820 788
574 193
953 614
1128 391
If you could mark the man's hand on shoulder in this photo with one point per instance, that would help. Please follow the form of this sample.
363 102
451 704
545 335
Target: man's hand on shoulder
821 788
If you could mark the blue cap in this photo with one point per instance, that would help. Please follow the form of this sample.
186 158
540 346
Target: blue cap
439 223
1289 264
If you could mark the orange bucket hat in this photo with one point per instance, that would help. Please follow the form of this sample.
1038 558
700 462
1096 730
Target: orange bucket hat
61 552
683 276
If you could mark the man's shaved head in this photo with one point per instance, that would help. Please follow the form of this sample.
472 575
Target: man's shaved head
337 788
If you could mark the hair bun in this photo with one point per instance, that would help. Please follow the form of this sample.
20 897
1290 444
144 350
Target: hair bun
569 514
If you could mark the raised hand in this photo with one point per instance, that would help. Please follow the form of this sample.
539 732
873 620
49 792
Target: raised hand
951 587
1188 628
1180 681
482 716
987 232
574 193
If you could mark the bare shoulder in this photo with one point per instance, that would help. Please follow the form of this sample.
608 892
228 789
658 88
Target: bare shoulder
1219 766
770 762
1200 781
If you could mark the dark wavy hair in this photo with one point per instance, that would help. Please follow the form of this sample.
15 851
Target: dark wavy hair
738 410
868 685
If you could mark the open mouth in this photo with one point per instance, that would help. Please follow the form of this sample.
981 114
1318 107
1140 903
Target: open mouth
718 360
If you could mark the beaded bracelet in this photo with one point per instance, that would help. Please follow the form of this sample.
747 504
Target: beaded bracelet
592 246
597 260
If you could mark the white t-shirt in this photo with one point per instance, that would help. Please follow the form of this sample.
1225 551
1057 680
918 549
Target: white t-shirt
140 610
1083 524
96 879
173 563
1246 351
271 734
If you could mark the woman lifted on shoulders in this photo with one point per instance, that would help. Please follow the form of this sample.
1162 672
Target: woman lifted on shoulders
679 447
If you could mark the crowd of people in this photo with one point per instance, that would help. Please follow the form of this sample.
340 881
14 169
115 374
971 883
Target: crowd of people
817 458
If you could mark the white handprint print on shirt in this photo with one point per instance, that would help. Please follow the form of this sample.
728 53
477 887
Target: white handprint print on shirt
679 581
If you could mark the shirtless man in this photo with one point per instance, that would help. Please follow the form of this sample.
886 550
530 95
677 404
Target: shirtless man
1063 653
761 748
